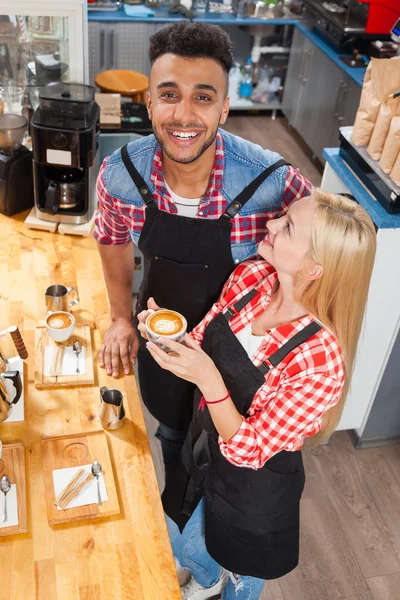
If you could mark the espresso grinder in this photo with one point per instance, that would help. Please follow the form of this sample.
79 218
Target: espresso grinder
66 158
16 179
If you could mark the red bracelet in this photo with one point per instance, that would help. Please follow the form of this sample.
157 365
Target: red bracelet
203 401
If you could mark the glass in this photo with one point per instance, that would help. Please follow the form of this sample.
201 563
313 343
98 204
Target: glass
12 97
226 7
199 6
33 47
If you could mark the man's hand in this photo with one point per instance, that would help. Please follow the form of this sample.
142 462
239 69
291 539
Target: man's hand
120 343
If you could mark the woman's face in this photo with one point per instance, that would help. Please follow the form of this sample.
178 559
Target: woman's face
288 239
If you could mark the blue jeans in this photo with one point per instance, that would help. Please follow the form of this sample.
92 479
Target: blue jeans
190 549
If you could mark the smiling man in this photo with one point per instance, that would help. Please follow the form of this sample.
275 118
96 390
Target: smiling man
193 198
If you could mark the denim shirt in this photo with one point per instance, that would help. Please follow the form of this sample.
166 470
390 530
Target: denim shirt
243 162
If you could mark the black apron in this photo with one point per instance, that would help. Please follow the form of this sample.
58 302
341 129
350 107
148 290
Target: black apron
186 263
251 516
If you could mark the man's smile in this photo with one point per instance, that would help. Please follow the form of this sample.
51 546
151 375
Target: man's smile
183 138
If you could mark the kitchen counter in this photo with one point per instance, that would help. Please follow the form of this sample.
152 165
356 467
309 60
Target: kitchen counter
382 315
161 15
354 186
126 557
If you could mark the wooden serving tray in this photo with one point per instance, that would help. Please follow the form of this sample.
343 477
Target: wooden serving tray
73 450
12 464
82 335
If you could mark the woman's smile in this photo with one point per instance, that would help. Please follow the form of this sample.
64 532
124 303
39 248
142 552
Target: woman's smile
267 241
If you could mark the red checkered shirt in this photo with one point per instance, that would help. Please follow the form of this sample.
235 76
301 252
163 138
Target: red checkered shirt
289 406
116 219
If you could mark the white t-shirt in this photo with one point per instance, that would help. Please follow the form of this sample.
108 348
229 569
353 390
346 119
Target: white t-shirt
187 207
249 341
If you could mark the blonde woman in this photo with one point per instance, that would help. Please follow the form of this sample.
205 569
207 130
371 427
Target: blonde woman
272 361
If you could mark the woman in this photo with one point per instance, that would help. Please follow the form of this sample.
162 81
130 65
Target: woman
273 369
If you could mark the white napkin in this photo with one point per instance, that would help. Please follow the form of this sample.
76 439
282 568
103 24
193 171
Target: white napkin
87 495
12 507
69 361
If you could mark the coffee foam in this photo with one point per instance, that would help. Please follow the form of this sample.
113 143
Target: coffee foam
59 321
165 323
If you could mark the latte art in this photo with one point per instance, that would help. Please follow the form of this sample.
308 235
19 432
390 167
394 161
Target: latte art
59 321
165 323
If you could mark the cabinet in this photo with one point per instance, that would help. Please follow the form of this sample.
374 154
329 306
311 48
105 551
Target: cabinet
372 406
293 82
319 97
32 31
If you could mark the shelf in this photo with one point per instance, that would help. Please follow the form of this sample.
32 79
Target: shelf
273 49
274 104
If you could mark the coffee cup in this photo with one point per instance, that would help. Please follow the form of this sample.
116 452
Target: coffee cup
165 324
60 325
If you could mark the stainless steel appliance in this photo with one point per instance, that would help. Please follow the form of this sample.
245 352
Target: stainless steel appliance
7 398
10 381
16 178
341 22
66 158
112 410
376 181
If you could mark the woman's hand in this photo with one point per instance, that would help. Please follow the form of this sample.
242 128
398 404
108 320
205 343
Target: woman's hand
188 362
142 316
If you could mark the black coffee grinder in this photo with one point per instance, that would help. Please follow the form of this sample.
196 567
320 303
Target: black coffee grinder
66 159
16 176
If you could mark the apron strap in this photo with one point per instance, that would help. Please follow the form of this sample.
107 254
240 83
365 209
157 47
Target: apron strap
237 204
137 178
302 336
237 307
201 460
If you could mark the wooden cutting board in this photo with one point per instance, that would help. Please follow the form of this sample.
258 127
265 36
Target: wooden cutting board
12 464
72 451
82 335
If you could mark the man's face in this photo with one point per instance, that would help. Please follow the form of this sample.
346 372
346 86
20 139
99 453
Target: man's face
186 103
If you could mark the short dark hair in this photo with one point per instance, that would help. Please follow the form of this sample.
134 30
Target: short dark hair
193 40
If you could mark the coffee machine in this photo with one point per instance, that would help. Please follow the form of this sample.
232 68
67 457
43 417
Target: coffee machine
16 176
66 159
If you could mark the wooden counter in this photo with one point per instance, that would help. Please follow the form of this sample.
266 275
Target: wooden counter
127 557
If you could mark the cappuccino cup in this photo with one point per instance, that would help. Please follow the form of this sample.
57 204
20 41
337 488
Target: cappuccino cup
167 324
60 325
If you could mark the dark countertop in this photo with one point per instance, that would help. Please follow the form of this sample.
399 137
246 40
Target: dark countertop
161 16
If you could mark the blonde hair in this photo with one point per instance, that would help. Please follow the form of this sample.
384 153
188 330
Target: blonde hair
344 244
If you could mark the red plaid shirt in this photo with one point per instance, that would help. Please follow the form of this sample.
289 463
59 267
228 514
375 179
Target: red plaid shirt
289 406
115 219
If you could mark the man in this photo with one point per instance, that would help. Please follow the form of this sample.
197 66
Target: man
195 200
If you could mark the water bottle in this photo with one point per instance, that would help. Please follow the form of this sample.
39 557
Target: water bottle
246 83
235 77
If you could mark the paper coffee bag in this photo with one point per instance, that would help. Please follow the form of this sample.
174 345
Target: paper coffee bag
392 146
385 114
382 78
395 172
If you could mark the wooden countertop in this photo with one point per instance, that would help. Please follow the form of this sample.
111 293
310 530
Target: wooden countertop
127 557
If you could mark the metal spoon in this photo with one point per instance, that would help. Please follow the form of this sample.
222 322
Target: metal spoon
5 486
96 471
77 348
